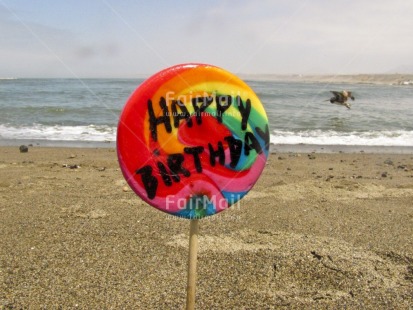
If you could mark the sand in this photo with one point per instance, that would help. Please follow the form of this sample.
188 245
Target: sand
318 231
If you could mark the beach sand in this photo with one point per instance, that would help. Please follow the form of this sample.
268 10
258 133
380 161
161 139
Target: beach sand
318 231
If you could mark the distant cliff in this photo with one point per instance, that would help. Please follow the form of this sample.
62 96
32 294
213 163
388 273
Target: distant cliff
394 79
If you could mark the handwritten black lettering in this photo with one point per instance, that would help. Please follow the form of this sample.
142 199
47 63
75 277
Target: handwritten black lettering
175 165
171 168
205 103
244 110
264 135
216 153
149 181
251 143
164 174
223 104
195 151
155 121
183 115
235 148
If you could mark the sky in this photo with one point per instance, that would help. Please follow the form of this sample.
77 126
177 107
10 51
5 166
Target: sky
130 38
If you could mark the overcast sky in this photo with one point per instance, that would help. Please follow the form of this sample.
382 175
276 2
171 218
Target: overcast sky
129 38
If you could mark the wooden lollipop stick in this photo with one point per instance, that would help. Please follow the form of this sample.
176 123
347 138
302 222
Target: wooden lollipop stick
192 259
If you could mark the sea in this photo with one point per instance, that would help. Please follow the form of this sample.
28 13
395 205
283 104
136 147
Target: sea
85 113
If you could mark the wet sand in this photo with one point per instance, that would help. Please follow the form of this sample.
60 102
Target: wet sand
318 230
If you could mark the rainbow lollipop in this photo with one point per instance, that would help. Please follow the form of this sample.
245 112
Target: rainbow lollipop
192 140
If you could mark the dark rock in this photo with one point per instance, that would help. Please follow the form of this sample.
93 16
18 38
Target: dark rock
316 255
388 162
23 149
384 175
71 166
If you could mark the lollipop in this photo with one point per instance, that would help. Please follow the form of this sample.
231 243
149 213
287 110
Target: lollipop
192 140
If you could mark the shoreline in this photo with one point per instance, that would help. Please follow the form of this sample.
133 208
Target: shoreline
58 143
274 148
333 149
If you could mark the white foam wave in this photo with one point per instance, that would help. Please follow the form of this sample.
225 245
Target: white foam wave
373 138
59 133
106 133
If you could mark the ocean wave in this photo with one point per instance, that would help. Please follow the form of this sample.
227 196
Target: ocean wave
59 133
330 137
104 133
